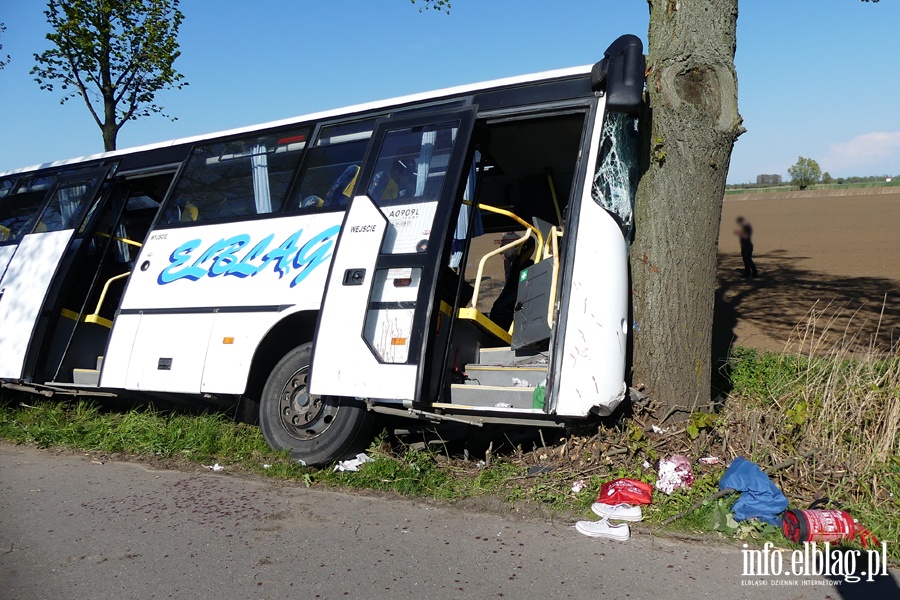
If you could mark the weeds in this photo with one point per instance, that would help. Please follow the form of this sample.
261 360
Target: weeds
825 394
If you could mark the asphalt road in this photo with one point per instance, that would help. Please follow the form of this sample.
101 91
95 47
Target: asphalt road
71 528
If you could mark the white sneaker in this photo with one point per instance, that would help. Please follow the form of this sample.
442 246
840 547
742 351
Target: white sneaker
618 512
603 529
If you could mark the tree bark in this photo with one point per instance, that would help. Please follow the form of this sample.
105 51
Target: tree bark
693 123
109 128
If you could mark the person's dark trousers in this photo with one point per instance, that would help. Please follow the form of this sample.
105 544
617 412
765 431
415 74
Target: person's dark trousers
747 255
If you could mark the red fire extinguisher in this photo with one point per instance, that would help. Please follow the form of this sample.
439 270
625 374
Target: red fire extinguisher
832 525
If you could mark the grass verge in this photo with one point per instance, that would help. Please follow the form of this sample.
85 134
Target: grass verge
780 405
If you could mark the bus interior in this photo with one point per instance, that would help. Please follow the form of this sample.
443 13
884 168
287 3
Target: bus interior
500 343
104 255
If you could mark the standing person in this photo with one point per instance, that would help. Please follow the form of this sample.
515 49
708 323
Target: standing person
745 234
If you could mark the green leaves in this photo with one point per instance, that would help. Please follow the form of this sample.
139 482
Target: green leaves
700 421
114 54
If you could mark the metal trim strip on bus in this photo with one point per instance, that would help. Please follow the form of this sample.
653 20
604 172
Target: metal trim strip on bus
190 310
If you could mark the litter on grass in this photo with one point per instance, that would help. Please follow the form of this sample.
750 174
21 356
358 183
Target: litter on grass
625 491
675 473
352 465
215 468
577 486
710 460
657 429
760 499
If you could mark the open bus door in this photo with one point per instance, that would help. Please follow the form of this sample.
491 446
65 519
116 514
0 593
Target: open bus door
35 262
381 304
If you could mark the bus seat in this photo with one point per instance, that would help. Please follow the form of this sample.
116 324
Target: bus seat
342 189
312 201
395 184
503 309
189 213
384 187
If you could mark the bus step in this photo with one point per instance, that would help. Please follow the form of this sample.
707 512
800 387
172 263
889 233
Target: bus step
505 376
508 357
491 396
86 377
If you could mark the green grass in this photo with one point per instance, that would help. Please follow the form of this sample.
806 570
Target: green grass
838 402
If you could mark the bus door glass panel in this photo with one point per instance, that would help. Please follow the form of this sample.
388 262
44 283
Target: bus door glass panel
18 209
380 306
42 244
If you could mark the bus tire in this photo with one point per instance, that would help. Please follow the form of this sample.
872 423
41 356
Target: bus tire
316 430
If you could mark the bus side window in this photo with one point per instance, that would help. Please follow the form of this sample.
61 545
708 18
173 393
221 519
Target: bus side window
66 204
241 177
329 173
18 210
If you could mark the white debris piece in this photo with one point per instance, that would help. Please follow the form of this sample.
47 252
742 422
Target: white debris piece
577 486
675 473
353 464
267 466
710 460
503 405
658 429
520 382
215 468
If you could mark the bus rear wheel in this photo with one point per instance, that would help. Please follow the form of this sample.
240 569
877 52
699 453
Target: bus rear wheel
315 429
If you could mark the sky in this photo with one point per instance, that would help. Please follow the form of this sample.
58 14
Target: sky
816 77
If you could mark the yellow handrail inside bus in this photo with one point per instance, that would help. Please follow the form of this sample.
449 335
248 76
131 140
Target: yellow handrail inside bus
121 239
484 259
95 317
517 219
555 234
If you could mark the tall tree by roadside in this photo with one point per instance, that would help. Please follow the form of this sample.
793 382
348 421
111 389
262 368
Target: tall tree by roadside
115 54
805 172
3 62
689 127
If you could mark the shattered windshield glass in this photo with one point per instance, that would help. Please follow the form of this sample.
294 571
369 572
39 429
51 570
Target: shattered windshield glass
616 177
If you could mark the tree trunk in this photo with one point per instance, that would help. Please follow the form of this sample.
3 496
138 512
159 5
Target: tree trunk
109 137
109 128
693 124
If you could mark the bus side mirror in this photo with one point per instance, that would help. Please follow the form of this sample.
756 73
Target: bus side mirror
621 74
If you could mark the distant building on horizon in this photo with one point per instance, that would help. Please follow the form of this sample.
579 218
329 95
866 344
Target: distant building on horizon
768 180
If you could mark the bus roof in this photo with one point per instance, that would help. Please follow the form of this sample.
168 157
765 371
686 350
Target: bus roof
357 108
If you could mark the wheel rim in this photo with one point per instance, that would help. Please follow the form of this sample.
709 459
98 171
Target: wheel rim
303 415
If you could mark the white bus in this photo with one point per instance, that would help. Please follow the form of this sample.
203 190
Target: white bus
457 255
